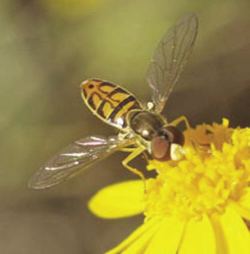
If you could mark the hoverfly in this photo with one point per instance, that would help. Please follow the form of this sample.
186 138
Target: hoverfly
141 128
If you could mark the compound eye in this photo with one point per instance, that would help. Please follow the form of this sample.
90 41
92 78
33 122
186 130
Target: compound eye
160 148
174 135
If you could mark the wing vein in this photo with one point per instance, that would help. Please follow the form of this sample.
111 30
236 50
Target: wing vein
170 57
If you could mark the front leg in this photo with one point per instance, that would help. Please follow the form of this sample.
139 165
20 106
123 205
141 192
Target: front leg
135 152
179 120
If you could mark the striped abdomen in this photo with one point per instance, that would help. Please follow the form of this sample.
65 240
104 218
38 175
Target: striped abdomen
108 101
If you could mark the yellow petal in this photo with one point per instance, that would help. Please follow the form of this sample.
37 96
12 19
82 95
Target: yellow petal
147 229
198 237
119 200
141 244
244 204
242 211
231 232
245 199
167 238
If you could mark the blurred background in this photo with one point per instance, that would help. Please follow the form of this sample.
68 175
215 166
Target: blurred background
47 48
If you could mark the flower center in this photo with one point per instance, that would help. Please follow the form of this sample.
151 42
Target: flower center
206 179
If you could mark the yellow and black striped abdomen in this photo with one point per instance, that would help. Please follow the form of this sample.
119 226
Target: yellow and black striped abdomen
108 101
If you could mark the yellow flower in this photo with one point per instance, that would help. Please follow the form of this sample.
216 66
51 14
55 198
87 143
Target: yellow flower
199 204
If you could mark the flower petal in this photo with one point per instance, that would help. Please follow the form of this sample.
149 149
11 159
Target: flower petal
118 200
139 237
141 244
231 232
167 239
198 237
242 211
243 206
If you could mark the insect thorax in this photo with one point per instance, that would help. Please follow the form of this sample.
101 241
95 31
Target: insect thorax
108 101
145 124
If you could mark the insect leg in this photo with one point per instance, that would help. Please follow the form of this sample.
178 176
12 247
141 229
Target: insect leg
130 157
131 149
145 156
128 149
179 120
197 146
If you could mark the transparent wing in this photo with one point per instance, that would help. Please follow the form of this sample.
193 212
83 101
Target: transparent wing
74 158
170 57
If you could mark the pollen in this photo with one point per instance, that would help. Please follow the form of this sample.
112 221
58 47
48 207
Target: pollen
212 174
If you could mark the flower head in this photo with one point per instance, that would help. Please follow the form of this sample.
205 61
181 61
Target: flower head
198 204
